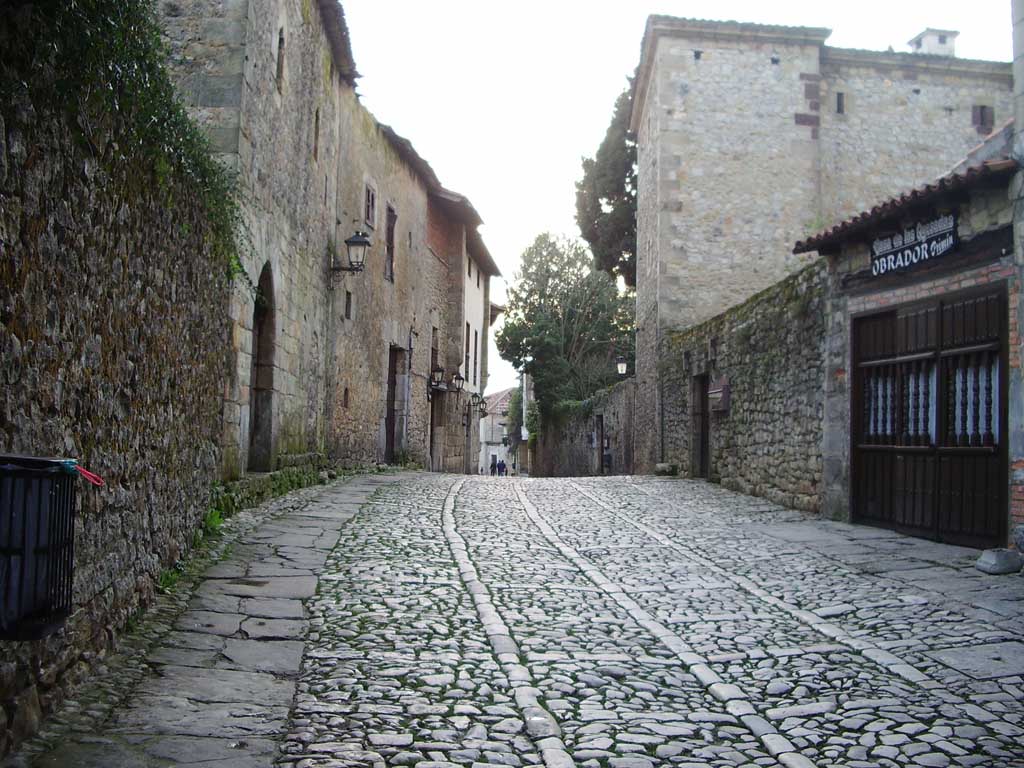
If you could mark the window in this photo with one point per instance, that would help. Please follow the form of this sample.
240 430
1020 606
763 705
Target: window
840 103
942 39
344 398
280 59
476 343
389 254
469 267
983 118
316 137
697 55
433 349
775 59
478 278
370 209
466 366
348 305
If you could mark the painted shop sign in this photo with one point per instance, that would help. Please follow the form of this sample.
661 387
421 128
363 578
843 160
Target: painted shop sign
915 245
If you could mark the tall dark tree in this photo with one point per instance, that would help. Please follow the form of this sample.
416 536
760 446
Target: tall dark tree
606 197
565 323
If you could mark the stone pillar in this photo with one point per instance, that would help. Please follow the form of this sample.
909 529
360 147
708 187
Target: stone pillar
1016 394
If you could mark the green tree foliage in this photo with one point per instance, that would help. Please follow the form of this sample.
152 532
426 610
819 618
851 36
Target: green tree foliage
515 419
606 197
103 64
565 323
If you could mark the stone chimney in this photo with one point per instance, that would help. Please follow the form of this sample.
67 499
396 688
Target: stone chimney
936 42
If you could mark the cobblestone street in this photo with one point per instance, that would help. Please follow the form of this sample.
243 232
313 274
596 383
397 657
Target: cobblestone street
624 622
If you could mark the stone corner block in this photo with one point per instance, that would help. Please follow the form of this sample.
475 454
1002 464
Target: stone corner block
999 561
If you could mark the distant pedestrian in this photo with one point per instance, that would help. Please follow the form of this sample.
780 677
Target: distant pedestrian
501 468
494 466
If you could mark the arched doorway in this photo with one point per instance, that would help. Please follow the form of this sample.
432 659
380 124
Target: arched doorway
261 377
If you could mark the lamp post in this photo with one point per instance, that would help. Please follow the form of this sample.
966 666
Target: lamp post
621 365
356 246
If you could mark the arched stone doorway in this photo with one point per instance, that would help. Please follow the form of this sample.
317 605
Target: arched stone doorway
261 377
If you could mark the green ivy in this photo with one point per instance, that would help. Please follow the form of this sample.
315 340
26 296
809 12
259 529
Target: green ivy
103 64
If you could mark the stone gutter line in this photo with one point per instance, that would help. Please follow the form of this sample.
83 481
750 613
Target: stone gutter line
884 658
735 700
540 723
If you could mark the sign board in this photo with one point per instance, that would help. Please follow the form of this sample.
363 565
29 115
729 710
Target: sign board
914 246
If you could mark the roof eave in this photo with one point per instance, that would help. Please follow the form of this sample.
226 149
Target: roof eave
831 239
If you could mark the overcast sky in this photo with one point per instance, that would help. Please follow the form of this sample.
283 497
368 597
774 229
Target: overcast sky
503 99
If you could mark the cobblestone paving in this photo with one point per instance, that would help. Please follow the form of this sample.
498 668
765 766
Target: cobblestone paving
635 622
442 621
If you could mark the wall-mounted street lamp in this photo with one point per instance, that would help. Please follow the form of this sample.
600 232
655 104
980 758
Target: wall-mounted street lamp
436 381
475 399
356 247
458 380
620 364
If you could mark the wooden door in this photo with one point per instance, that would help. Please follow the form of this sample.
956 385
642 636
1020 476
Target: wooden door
389 417
700 459
928 419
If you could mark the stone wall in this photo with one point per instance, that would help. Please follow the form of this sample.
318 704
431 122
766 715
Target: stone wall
112 351
307 151
906 120
573 447
771 351
723 111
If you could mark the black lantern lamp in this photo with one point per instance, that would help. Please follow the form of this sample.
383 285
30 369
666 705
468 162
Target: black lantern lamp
437 377
458 380
475 400
620 364
483 408
357 246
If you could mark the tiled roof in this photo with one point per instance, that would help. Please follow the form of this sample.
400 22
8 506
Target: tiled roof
846 230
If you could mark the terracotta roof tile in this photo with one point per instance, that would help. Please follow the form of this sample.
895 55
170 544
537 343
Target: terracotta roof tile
846 230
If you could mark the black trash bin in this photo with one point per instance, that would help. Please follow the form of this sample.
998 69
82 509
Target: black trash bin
37 510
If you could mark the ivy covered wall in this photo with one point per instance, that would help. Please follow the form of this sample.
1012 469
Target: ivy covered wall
117 236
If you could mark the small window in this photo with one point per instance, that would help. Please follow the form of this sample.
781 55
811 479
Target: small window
434 355
476 344
410 239
478 278
370 209
697 55
840 103
469 267
942 39
344 398
466 367
775 59
348 305
983 118
389 254
316 136
280 59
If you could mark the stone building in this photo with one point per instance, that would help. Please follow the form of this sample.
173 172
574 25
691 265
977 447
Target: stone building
751 137
494 437
327 360
882 383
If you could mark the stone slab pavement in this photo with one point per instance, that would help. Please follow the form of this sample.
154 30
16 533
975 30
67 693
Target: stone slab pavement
444 621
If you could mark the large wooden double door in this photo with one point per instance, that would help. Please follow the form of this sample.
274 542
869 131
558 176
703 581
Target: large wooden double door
928 419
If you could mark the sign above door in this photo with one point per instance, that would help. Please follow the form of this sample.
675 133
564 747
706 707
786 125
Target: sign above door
914 246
